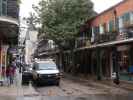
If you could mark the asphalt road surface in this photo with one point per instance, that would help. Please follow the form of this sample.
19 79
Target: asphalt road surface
73 90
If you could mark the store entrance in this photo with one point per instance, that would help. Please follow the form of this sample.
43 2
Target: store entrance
123 63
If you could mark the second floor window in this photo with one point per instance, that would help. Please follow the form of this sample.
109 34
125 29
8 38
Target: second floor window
126 17
111 25
3 7
96 30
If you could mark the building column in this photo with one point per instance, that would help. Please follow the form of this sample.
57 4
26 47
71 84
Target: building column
92 63
115 64
99 67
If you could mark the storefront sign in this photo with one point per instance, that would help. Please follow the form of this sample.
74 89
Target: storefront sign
13 50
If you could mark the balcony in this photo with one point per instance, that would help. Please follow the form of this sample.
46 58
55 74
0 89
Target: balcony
82 42
101 38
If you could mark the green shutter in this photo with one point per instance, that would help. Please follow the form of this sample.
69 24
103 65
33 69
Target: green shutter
4 7
111 26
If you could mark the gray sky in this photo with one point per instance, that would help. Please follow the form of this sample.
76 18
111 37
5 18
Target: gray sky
99 5
26 7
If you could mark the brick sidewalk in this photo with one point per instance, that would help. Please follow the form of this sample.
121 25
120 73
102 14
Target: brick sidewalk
14 91
8 91
17 89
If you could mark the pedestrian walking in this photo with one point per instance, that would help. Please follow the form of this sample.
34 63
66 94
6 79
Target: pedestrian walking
12 74
8 75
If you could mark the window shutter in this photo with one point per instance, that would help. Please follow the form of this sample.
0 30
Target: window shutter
107 27
3 7
111 26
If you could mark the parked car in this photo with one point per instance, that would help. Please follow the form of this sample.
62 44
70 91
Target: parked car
46 72
27 75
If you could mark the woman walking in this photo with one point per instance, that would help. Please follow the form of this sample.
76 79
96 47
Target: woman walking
8 73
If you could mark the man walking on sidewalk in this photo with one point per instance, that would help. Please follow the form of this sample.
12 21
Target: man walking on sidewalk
8 75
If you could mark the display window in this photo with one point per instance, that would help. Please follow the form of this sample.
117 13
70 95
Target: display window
123 61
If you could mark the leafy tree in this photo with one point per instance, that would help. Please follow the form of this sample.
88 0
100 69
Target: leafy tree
19 2
61 19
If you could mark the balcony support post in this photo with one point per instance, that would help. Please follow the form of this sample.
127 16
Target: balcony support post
99 67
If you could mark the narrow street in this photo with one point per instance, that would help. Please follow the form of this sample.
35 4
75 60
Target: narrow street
68 90
83 47
78 91
71 88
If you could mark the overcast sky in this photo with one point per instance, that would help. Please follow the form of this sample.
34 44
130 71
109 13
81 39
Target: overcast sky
26 7
99 5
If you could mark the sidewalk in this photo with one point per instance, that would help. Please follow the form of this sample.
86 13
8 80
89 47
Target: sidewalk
17 89
100 84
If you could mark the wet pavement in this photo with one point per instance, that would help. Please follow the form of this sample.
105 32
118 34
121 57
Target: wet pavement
88 97
68 90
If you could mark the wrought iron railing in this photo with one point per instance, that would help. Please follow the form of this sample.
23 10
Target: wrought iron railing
100 38
81 42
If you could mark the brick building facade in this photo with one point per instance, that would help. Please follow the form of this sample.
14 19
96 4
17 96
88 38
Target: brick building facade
109 51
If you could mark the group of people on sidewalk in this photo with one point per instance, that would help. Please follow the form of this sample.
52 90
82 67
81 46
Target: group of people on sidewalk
8 74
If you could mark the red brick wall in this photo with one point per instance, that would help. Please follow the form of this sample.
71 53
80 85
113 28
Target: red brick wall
108 15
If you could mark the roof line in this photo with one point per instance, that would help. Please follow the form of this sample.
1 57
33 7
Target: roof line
110 8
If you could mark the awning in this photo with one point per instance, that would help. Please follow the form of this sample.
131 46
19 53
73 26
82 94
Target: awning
9 29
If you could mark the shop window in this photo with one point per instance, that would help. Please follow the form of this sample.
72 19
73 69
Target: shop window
124 61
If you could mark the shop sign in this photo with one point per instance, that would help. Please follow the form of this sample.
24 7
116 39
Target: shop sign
13 50
123 48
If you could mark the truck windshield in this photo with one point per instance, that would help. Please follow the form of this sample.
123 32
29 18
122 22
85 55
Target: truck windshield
46 66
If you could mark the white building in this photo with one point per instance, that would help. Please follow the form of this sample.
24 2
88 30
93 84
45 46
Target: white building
30 45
